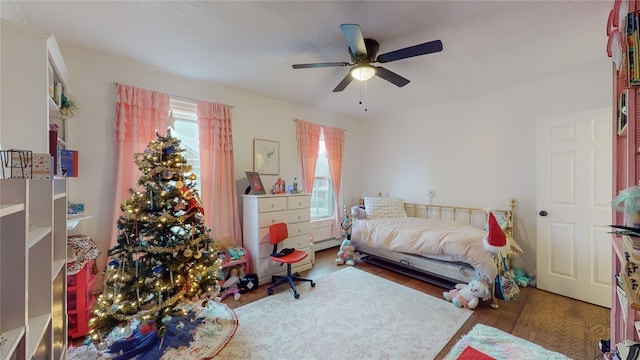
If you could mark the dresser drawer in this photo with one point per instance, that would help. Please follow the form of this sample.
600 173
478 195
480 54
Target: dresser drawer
298 202
268 204
296 242
296 229
289 217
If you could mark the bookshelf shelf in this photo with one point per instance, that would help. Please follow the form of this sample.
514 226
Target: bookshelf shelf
13 336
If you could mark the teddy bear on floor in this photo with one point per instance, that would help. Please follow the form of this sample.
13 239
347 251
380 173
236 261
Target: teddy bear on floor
523 279
468 295
347 253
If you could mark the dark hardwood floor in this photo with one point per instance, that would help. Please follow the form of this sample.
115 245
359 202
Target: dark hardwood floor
558 323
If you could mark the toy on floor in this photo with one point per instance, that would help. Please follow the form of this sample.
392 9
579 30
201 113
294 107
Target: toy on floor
347 253
468 295
231 284
523 279
347 223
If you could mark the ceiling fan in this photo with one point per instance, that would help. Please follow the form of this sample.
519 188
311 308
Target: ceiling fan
364 52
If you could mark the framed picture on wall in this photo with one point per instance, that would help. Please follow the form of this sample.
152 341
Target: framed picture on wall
266 157
256 183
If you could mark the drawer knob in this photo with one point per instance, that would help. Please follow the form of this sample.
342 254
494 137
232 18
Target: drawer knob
272 205
299 203
299 217
299 231
273 221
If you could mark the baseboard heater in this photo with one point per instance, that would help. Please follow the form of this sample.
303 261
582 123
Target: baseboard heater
405 269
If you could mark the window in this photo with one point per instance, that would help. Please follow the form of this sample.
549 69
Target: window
185 129
322 199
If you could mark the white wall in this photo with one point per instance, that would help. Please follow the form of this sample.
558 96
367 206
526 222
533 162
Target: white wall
478 151
472 151
94 76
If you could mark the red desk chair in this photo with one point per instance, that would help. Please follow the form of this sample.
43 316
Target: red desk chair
277 234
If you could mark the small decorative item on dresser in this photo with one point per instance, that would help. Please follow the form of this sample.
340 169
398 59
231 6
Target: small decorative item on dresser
256 183
278 187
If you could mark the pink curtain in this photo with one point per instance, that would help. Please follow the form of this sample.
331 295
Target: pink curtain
139 113
217 176
334 142
308 137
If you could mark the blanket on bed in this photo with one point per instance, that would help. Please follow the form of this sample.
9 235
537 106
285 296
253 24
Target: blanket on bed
437 239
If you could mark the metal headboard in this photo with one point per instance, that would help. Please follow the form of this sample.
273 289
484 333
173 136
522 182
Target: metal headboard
473 216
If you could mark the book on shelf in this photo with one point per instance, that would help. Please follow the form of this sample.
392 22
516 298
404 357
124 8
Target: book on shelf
632 41
69 162
50 79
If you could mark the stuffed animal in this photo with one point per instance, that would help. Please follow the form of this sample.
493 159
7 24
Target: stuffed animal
467 295
523 279
231 285
347 253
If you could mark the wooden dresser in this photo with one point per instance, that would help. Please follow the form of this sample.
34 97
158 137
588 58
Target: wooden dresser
261 211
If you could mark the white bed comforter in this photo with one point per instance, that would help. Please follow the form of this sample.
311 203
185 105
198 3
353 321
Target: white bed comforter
438 239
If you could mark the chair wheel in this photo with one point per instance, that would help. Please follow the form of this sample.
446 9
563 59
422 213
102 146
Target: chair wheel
296 295
273 279
313 284
270 291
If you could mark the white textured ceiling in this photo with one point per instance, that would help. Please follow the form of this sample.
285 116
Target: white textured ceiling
252 45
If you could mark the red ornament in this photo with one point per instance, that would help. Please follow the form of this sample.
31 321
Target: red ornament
147 328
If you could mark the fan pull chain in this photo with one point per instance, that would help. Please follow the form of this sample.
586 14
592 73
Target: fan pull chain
365 95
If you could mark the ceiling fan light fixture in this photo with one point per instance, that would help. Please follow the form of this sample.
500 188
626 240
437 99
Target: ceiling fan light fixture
363 72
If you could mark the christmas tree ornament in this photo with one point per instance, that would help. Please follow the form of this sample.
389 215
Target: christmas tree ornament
187 252
193 176
179 184
180 325
166 319
157 270
197 255
167 174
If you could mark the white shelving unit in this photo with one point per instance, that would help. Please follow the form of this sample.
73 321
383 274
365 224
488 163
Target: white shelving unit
32 268
33 213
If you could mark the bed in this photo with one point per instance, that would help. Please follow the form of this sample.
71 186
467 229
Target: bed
439 244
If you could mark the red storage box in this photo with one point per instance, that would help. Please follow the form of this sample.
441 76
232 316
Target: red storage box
80 300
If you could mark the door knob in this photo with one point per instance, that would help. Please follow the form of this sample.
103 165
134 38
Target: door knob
542 213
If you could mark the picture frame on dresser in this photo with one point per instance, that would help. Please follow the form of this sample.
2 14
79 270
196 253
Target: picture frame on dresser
255 182
266 156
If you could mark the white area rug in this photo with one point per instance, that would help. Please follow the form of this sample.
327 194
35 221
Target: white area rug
350 314
502 346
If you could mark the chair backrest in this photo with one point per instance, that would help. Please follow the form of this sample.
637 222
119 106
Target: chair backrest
278 232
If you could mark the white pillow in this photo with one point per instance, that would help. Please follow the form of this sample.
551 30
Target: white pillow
379 207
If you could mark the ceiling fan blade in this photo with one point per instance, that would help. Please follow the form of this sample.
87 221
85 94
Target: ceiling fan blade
391 77
411 51
343 84
353 35
317 65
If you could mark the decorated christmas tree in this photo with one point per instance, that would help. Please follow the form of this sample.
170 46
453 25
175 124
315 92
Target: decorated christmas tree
164 252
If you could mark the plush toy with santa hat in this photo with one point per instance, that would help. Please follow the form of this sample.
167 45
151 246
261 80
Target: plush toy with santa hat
495 241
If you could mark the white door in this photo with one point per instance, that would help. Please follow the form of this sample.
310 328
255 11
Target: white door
574 203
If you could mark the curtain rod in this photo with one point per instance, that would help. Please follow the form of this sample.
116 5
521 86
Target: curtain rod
179 97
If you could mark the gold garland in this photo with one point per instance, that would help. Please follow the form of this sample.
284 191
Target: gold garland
161 249
143 313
